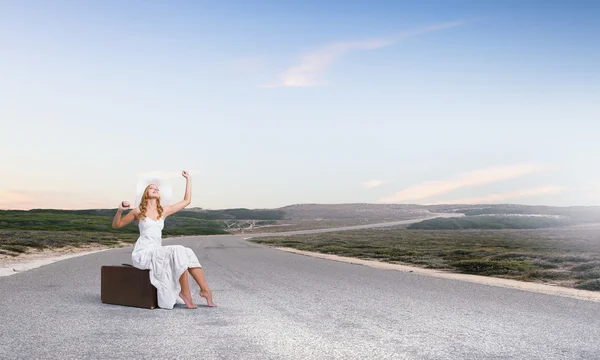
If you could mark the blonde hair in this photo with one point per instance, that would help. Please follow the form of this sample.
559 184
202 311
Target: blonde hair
144 205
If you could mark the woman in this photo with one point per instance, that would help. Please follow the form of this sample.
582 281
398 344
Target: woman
169 265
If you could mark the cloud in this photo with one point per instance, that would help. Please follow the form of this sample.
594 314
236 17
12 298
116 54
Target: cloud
373 183
313 65
495 198
473 178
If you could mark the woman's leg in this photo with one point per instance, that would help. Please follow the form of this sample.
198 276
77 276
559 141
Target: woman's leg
186 294
205 292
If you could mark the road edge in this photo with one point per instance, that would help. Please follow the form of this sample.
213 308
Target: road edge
484 280
22 266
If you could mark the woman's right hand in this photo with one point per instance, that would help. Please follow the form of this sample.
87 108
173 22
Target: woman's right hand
124 205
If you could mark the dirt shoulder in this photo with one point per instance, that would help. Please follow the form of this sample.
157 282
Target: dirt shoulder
34 258
492 281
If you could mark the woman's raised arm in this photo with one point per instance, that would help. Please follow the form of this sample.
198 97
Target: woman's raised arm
118 221
187 198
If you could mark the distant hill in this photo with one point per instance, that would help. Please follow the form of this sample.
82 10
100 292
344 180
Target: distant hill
185 222
354 211
394 211
234 214
510 216
501 216
492 222
577 214
225 214
222 218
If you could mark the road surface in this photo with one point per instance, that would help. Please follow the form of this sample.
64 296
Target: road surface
278 305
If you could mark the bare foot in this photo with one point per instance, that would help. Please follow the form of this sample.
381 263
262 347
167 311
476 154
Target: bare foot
208 296
188 300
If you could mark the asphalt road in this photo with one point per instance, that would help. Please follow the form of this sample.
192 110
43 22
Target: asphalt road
278 305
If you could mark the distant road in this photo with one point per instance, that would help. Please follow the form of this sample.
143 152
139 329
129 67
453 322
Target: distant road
357 227
277 305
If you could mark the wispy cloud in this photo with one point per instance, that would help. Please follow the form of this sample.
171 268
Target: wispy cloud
313 65
495 198
474 178
374 183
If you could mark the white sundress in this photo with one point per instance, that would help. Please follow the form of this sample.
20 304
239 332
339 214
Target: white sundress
166 263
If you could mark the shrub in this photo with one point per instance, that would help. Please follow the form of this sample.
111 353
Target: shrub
593 285
490 267
14 248
2 252
590 274
587 266
544 264
568 258
507 256
545 274
490 222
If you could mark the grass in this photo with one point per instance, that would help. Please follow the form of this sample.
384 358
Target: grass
15 242
46 229
491 222
565 256
89 222
14 248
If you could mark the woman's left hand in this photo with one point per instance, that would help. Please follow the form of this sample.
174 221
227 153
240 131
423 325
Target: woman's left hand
186 174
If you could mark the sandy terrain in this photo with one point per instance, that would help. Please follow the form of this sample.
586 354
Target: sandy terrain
492 281
35 258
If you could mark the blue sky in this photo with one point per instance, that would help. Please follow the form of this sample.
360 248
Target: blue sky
273 103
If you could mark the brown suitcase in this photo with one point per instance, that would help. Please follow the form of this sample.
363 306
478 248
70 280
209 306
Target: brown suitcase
127 285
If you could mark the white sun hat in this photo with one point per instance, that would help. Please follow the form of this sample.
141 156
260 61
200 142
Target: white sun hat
164 187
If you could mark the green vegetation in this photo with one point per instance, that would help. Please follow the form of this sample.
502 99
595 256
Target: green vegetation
567 256
235 214
14 248
51 228
577 214
593 285
187 222
491 222
66 221
15 242
503 216
226 214
513 216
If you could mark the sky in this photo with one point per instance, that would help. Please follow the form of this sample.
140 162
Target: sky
272 103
